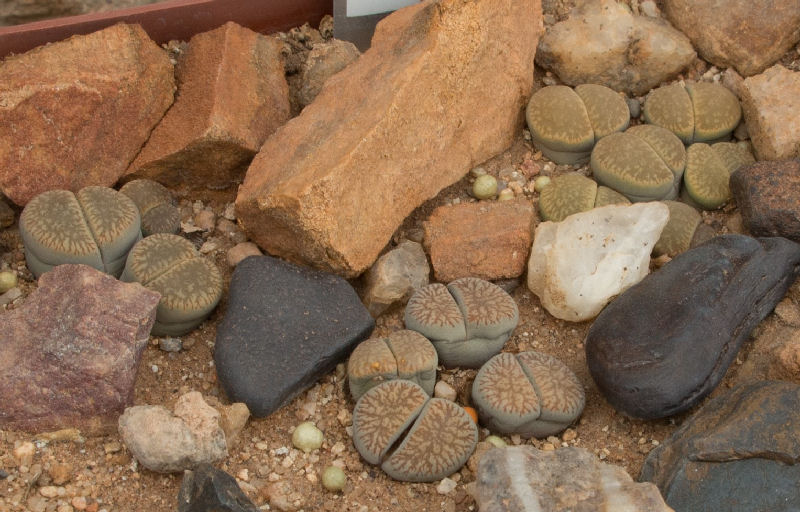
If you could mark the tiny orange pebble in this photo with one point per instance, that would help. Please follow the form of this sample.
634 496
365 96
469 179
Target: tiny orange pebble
472 413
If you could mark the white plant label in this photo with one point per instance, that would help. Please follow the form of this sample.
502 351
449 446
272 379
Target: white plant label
367 7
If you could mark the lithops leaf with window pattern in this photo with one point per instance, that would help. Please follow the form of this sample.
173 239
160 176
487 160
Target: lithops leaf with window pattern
706 180
190 286
700 112
645 163
734 154
403 354
96 227
574 193
566 123
468 321
439 441
680 229
530 394
156 206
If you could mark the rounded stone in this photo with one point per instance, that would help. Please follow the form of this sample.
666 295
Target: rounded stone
680 230
8 280
531 394
706 180
190 286
307 437
413 437
98 226
156 206
540 183
403 354
468 321
485 187
333 479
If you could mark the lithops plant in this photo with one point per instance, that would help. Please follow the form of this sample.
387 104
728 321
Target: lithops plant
699 112
96 227
403 354
680 230
414 438
156 206
468 321
565 124
190 286
644 163
531 394
574 193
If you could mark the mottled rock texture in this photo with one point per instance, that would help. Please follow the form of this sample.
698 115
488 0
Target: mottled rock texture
768 197
771 108
395 276
207 489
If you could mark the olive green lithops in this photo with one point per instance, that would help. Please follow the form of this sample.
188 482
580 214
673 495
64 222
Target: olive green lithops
531 394
699 112
413 437
156 206
706 180
190 286
644 163
574 193
468 321
403 354
680 229
565 123
96 227
734 154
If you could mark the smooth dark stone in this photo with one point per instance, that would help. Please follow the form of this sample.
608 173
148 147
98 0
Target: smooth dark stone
665 343
740 452
285 327
208 489
768 196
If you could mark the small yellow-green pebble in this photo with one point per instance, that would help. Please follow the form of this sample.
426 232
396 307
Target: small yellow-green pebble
540 182
505 195
333 478
307 437
485 187
495 440
478 171
8 280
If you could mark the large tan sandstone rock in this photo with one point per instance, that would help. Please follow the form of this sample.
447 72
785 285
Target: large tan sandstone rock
771 109
442 88
76 113
232 95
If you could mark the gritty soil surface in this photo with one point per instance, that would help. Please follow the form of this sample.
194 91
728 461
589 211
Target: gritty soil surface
262 458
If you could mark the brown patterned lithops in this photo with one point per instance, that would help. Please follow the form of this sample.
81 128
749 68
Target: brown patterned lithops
566 123
574 193
699 112
190 286
414 438
468 321
401 355
96 227
156 206
530 393
679 232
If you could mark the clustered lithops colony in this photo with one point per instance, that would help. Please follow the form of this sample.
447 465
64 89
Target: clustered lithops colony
574 193
156 206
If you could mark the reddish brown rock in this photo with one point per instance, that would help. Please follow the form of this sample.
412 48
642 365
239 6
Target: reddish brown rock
232 95
442 88
771 109
489 240
69 354
768 196
76 113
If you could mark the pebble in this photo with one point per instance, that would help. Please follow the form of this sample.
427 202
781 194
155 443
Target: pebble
79 502
50 491
170 344
10 296
241 251
333 478
205 220
446 486
24 453
307 437
8 280
444 390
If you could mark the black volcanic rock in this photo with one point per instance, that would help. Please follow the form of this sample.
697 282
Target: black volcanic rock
665 343
285 327
208 489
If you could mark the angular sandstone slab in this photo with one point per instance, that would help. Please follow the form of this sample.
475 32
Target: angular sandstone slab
771 108
442 88
232 95
76 113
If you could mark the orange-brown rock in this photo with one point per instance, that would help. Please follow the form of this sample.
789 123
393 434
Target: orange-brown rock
232 95
441 89
488 239
76 113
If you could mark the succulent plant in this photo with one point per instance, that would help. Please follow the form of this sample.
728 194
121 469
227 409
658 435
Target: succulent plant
680 229
307 437
413 437
96 227
644 163
468 321
403 354
699 112
574 193
531 394
485 187
706 180
565 123
190 286
156 206
734 154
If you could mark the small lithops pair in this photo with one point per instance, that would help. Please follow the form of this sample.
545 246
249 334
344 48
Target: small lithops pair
708 172
574 193
468 321
403 354
699 112
156 206
190 286
531 394
413 437
684 230
565 124
96 227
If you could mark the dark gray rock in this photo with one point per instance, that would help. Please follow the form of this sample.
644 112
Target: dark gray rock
665 344
284 328
768 195
738 453
208 489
